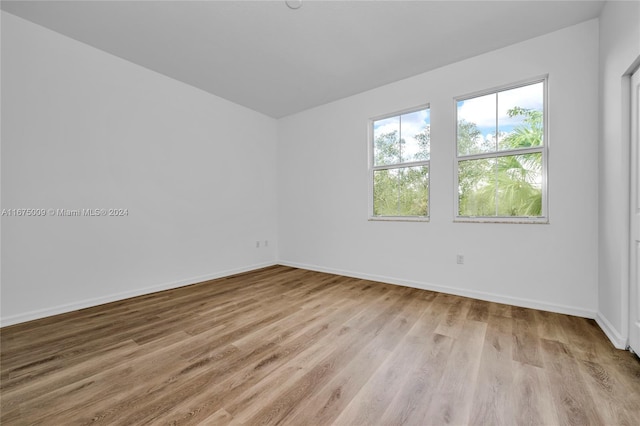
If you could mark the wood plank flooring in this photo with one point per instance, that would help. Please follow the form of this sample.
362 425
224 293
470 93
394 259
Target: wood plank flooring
288 346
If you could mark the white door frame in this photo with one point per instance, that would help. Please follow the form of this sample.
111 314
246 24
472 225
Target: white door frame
634 211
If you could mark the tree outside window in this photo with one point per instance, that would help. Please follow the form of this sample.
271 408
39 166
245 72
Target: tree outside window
501 151
400 165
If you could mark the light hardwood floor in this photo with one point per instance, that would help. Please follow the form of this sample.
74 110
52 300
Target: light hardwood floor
289 346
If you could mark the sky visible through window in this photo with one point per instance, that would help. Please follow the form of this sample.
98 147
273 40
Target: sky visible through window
407 127
486 111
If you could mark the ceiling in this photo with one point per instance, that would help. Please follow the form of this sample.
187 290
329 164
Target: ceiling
279 61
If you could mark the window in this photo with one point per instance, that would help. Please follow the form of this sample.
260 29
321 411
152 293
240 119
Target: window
501 155
399 172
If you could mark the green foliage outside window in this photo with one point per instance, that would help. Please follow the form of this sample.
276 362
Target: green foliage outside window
500 157
401 190
508 185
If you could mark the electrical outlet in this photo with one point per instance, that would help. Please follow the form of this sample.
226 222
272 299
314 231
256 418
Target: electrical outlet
266 243
257 244
460 259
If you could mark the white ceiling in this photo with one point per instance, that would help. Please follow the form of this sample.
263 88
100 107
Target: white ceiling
280 61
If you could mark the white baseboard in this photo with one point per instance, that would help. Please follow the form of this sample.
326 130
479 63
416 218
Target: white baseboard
612 334
87 303
490 297
610 331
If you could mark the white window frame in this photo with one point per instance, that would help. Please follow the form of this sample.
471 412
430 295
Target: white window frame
544 150
373 168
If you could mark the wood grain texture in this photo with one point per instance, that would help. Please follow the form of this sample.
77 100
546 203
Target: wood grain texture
288 346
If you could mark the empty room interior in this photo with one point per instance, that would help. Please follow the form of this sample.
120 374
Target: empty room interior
315 212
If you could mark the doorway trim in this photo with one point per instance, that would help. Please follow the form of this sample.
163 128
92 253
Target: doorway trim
633 169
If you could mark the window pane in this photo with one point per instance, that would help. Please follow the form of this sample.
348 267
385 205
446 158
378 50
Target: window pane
477 187
385 192
414 191
477 125
415 135
503 186
519 180
401 192
520 117
386 141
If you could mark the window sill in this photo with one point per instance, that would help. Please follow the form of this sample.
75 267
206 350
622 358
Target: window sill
398 219
516 220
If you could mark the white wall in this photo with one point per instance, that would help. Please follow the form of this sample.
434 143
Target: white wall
84 129
619 49
322 183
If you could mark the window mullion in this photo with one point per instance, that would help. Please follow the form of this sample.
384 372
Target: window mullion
398 193
495 164
496 133
507 153
401 165
495 177
400 139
